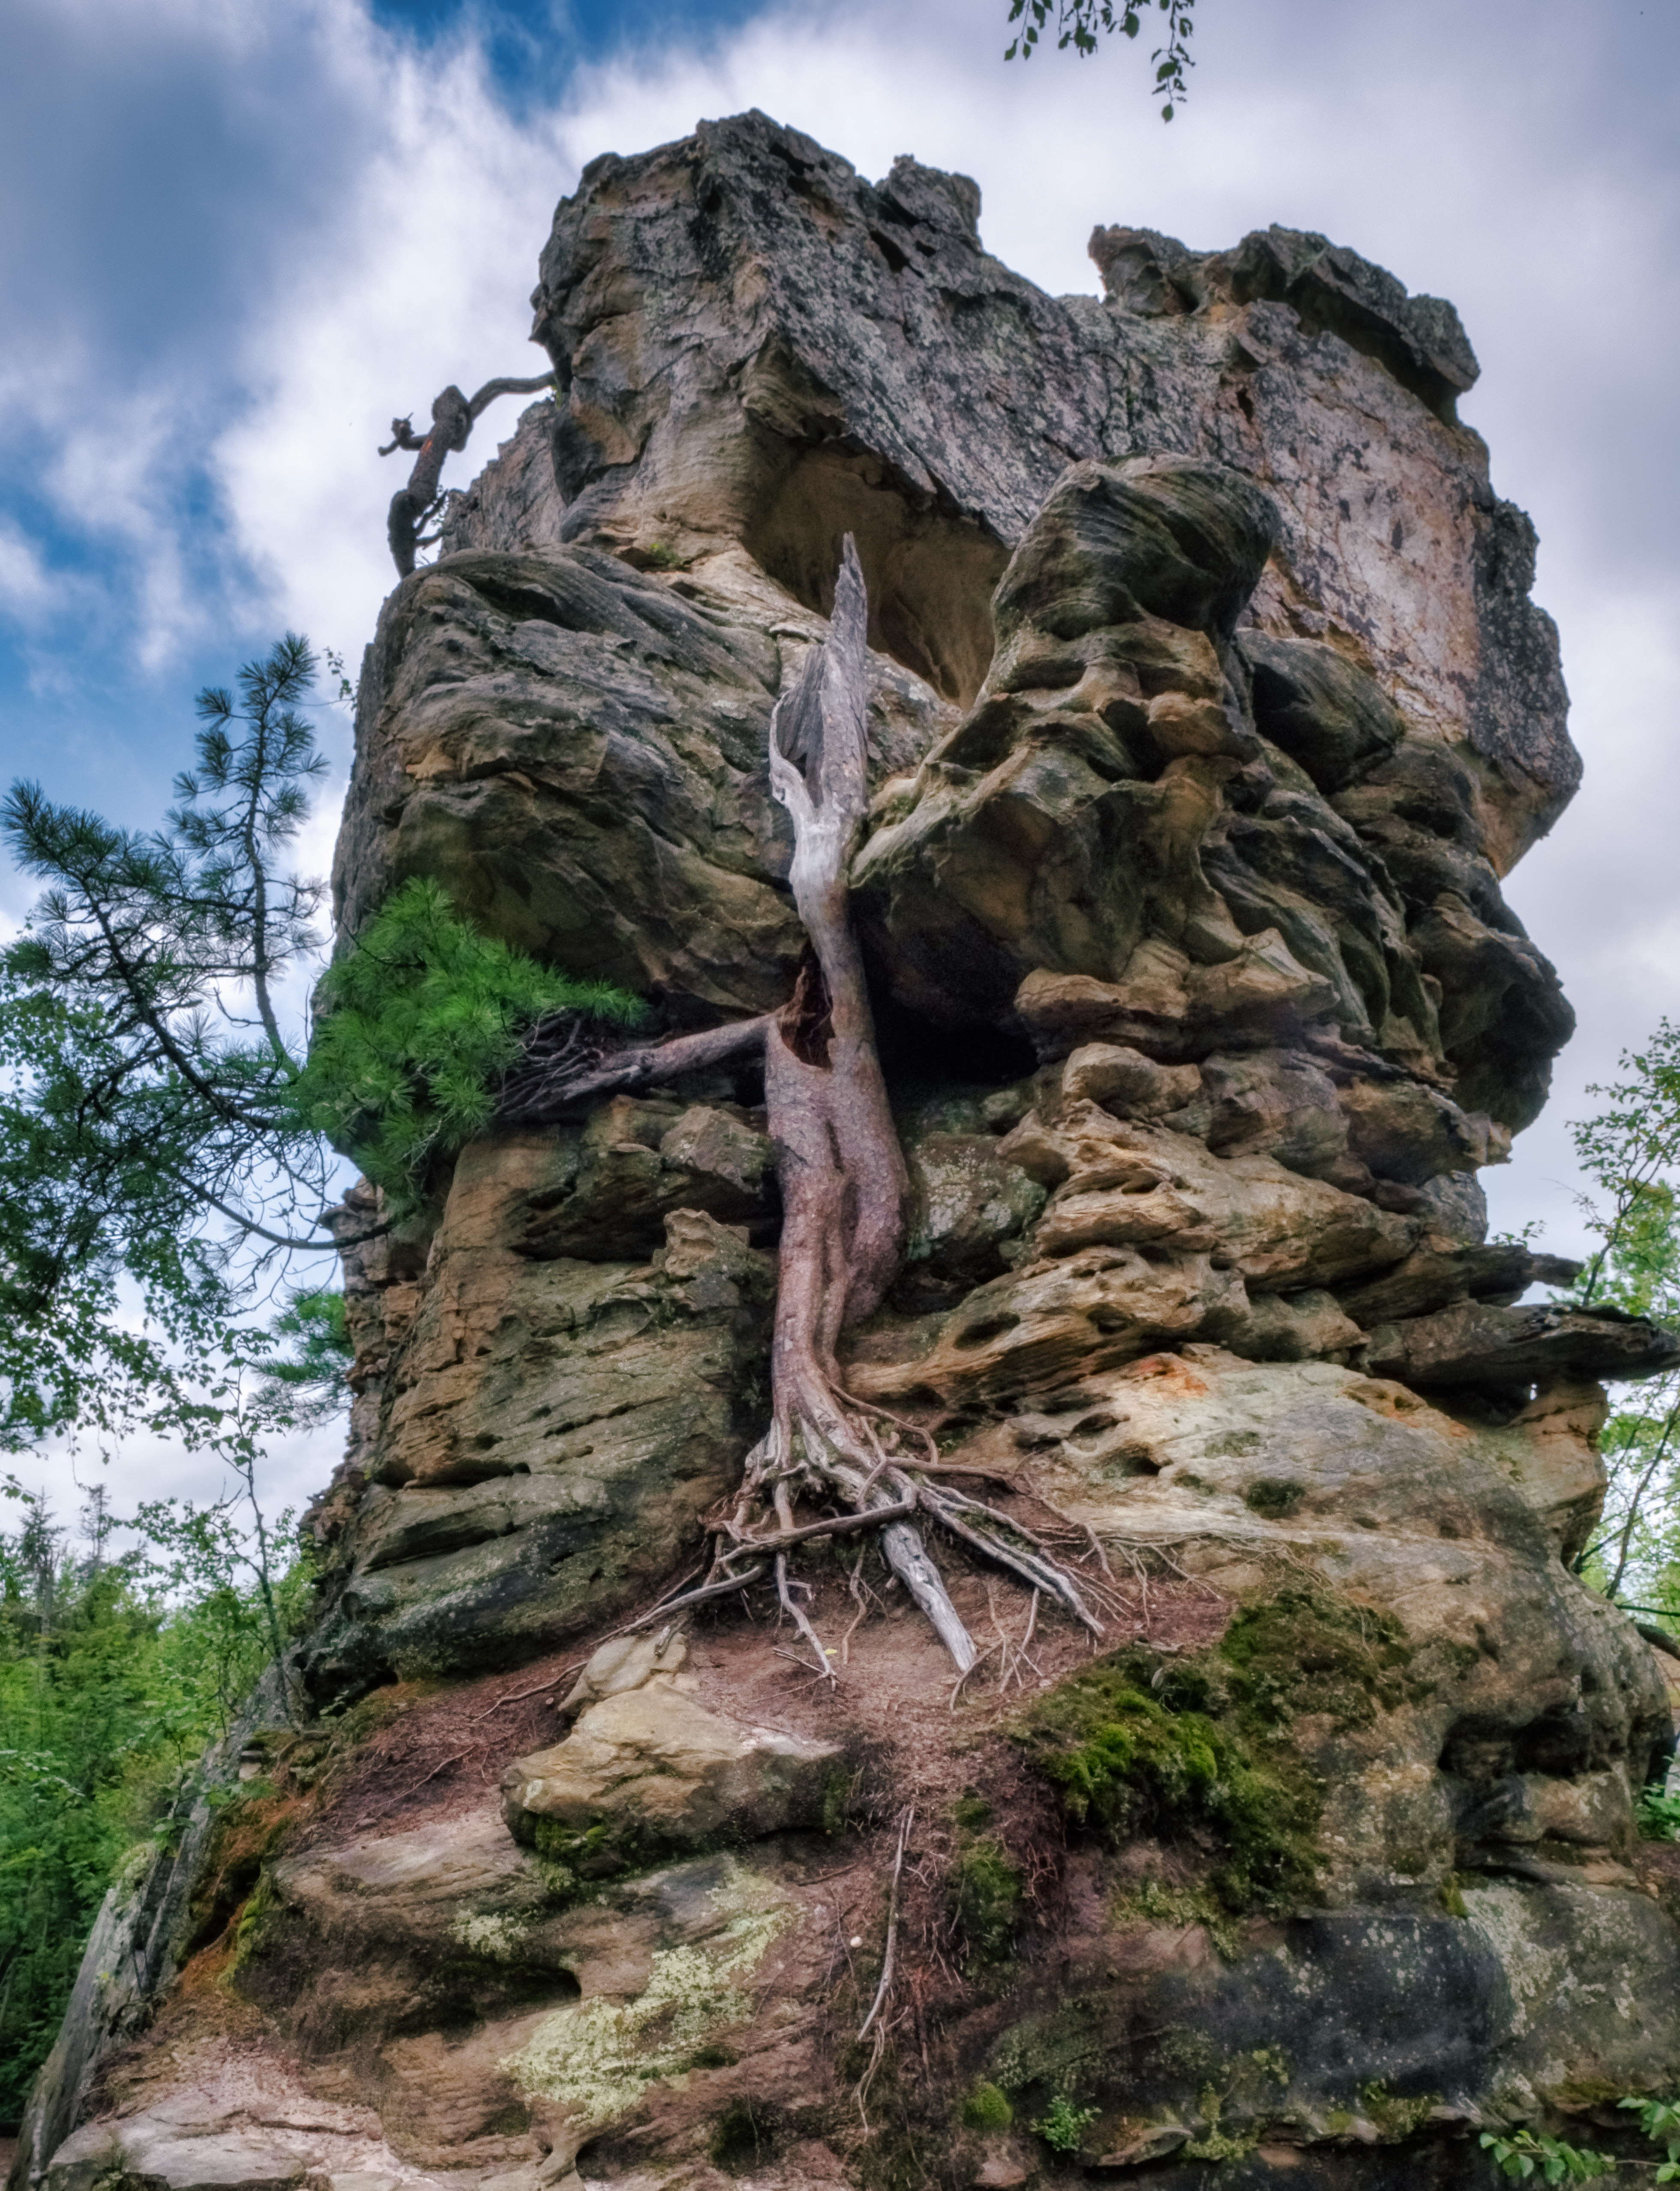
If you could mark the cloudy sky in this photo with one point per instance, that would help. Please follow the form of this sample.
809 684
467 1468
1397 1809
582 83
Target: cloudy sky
237 238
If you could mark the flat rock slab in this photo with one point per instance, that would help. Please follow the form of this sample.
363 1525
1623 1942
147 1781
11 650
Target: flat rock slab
1476 1345
652 1767
240 2121
155 2153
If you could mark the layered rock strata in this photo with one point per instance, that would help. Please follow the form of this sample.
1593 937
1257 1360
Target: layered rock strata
1208 707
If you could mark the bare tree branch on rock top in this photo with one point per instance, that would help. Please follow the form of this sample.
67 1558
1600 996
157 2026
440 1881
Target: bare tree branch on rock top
451 422
844 1190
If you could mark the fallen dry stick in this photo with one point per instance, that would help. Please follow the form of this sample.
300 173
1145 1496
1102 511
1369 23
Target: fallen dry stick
885 1985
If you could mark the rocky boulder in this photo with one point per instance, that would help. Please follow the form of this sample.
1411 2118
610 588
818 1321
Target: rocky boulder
647 1770
1206 707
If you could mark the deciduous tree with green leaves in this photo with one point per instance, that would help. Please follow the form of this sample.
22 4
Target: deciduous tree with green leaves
114 1673
1630 1151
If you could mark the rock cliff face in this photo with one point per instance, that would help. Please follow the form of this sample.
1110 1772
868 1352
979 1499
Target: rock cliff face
1208 707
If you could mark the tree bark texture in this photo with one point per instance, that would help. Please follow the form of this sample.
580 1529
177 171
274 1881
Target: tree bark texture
839 1163
451 422
844 1188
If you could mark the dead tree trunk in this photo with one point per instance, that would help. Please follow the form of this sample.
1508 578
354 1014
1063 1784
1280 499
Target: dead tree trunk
842 1171
451 422
844 1190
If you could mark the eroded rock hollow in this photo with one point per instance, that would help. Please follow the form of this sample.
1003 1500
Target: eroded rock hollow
1207 707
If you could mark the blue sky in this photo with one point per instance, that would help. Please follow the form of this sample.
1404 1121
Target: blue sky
236 238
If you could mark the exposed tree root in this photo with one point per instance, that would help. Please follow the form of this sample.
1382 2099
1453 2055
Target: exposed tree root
844 1190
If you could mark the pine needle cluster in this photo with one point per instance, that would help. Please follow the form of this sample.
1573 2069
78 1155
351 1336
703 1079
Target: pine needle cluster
416 1025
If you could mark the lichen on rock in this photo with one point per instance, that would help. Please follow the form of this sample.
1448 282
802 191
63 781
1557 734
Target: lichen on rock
596 2059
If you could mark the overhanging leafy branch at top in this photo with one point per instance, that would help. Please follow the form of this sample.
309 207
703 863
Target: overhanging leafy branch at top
1081 23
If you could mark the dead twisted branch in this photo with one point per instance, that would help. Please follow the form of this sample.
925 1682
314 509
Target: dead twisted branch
565 1065
451 422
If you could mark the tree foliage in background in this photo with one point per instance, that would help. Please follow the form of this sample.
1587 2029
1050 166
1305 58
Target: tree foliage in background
1081 24
165 1141
307 1370
113 1676
418 1022
1630 1152
148 1132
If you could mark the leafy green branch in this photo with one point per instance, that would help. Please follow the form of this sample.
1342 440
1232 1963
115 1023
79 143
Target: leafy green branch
1522 2154
1526 2153
1659 2120
415 1026
1079 23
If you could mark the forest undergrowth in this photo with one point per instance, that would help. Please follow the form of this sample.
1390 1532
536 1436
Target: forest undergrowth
114 1674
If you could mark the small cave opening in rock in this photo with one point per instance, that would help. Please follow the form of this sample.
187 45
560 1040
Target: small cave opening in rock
915 1054
1477 1750
930 573
1560 1743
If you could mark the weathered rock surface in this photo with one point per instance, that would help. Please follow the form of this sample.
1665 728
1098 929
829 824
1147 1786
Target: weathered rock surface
1111 812
1475 1344
647 1770
210 2135
577 749
719 379
552 1427
1208 707
731 396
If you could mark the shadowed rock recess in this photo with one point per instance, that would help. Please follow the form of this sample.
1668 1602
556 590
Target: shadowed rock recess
1208 707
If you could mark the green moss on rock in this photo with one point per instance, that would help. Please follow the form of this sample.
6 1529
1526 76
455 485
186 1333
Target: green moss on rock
986 1900
1195 1749
1127 1763
1179 1907
987 2108
1307 1651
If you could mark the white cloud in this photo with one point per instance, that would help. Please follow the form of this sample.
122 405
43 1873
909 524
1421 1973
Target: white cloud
1599 894
421 279
294 1470
27 594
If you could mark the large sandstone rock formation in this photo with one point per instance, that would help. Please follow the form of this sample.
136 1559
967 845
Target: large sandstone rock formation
1208 707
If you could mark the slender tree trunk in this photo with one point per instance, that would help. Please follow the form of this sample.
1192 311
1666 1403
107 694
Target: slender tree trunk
844 1192
842 1171
276 1640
